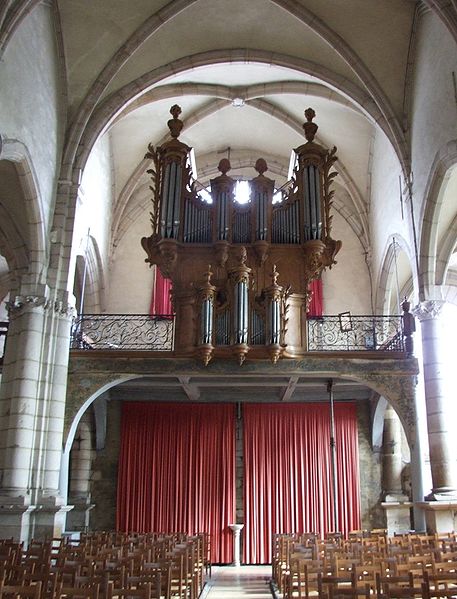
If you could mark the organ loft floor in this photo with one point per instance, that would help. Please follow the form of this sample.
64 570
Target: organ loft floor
242 581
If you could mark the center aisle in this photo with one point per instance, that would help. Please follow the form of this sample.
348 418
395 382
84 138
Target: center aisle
241 581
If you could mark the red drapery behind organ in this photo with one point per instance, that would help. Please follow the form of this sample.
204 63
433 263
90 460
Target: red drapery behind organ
288 476
161 304
177 471
316 303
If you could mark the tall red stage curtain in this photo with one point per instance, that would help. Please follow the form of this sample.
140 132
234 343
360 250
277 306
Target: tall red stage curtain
177 471
161 296
288 479
316 303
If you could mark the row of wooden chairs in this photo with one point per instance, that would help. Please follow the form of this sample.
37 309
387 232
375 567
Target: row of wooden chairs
106 566
365 565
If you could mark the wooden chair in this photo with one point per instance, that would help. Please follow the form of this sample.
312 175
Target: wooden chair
152 579
46 578
341 587
442 584
331 584
163 569
91 592
295 582
392 591
444 567
398 581
308 581
32 591
143 592
366 575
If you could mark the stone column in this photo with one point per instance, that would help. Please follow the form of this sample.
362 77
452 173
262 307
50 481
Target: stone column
32 400
441 434
236 529
396 504
60 320
421 477
391 456
81 467
19 407
50 515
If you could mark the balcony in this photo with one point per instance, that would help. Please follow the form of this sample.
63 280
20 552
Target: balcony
141 332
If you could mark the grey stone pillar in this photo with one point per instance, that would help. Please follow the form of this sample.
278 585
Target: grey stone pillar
392 456
19 390
60 320
81 469
32 400
440 424
396 504
18 405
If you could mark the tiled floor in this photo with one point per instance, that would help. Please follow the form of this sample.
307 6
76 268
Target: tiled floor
229 582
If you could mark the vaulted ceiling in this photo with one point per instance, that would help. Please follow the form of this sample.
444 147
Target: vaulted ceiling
243 74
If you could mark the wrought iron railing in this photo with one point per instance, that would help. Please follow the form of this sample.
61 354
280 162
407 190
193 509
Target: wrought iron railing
346 332
123 331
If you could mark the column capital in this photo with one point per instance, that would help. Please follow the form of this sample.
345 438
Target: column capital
27 302
429 309
22 303
64 309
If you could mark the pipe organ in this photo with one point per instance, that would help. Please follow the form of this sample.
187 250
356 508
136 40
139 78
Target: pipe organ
236 305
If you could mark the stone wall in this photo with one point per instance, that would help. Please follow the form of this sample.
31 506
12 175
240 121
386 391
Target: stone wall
105 467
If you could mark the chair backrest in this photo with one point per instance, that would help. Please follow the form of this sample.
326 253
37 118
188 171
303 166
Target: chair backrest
32 591
91 592
142 592
392 591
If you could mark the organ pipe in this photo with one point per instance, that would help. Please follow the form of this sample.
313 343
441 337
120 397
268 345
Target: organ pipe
274 296
206 294
239 276
222 192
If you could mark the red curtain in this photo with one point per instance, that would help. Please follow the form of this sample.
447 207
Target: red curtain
177 471
161 296
288 480
316 303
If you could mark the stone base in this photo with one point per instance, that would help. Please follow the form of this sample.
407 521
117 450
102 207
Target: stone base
49 517
440 516
398 516
78 518
15 517
22 520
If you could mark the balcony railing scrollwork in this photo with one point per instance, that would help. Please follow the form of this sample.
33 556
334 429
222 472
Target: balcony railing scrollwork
123 332
343 332
346 332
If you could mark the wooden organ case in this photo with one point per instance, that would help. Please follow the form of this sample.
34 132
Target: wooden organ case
225 259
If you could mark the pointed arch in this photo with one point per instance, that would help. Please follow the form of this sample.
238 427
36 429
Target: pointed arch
109 109
90 266
387 271
27 248
445 160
